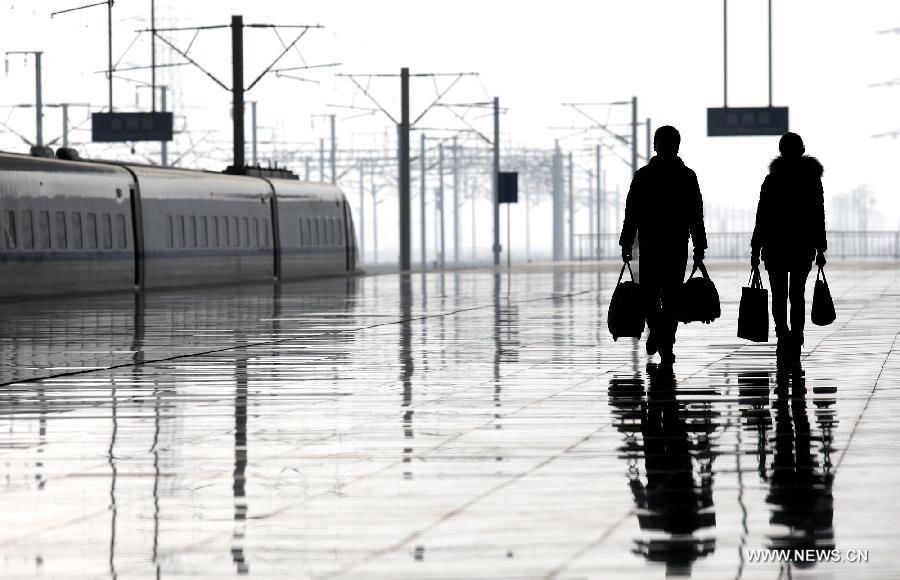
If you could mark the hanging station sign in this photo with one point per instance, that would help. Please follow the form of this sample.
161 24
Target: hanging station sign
123 127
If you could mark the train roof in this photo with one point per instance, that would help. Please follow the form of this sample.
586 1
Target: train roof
25 162
289 188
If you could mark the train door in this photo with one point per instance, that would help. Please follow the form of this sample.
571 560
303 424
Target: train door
276 231
349 238
137 232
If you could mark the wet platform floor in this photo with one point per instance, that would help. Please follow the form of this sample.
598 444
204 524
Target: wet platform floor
462 425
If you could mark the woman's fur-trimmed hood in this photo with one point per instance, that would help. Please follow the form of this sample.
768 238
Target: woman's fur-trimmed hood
804 163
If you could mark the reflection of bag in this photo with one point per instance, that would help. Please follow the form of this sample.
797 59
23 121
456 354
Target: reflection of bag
699 300
753 315
823 306
626 310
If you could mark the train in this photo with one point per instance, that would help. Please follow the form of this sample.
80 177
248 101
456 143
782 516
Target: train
76 226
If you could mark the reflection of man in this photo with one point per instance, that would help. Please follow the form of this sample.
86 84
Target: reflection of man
671 501
664 205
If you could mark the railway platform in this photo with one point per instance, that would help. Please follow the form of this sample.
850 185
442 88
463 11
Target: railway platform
469 424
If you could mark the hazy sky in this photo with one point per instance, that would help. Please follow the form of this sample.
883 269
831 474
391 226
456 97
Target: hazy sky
533 54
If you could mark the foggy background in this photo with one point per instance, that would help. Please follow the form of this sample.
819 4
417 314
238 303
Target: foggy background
533 55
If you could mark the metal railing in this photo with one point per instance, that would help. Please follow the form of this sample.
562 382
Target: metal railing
736 245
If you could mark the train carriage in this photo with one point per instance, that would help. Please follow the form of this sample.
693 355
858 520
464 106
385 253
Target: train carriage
312 229
65 227
204 228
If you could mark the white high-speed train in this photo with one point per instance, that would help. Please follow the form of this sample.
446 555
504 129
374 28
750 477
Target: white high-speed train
76 226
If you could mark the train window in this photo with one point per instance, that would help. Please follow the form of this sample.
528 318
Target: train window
76 230
307 233
222 231
170 233
192 231
213 232
256 231
44 229
121 239
27 232
331 239
60 229
91 227
317 239
179 231
265 223
235 232
9 228
246 232
106 229
340 232
202 233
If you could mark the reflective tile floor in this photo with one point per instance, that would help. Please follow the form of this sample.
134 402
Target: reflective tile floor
466 425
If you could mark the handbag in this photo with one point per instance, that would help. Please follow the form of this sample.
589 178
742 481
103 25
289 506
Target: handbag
753 314
822 313
699 300
626 310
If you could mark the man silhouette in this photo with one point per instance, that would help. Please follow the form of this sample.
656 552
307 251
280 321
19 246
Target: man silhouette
663 207
790 230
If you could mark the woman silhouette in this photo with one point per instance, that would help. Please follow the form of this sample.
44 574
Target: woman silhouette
790 230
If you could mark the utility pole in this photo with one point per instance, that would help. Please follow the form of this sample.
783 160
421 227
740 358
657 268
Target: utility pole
496 181
153 55
527 226
65 116
322 159
333 151
237 72
39 99
404 177
163 145
422 217
558 245
441 258
590 204
571 208
237 88
253 131
649 140
109 72
403 127
374 194
600 202
455 201
634 144
474 196
362 211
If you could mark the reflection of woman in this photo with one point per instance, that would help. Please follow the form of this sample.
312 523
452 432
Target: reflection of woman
790 230
800 488
671 501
